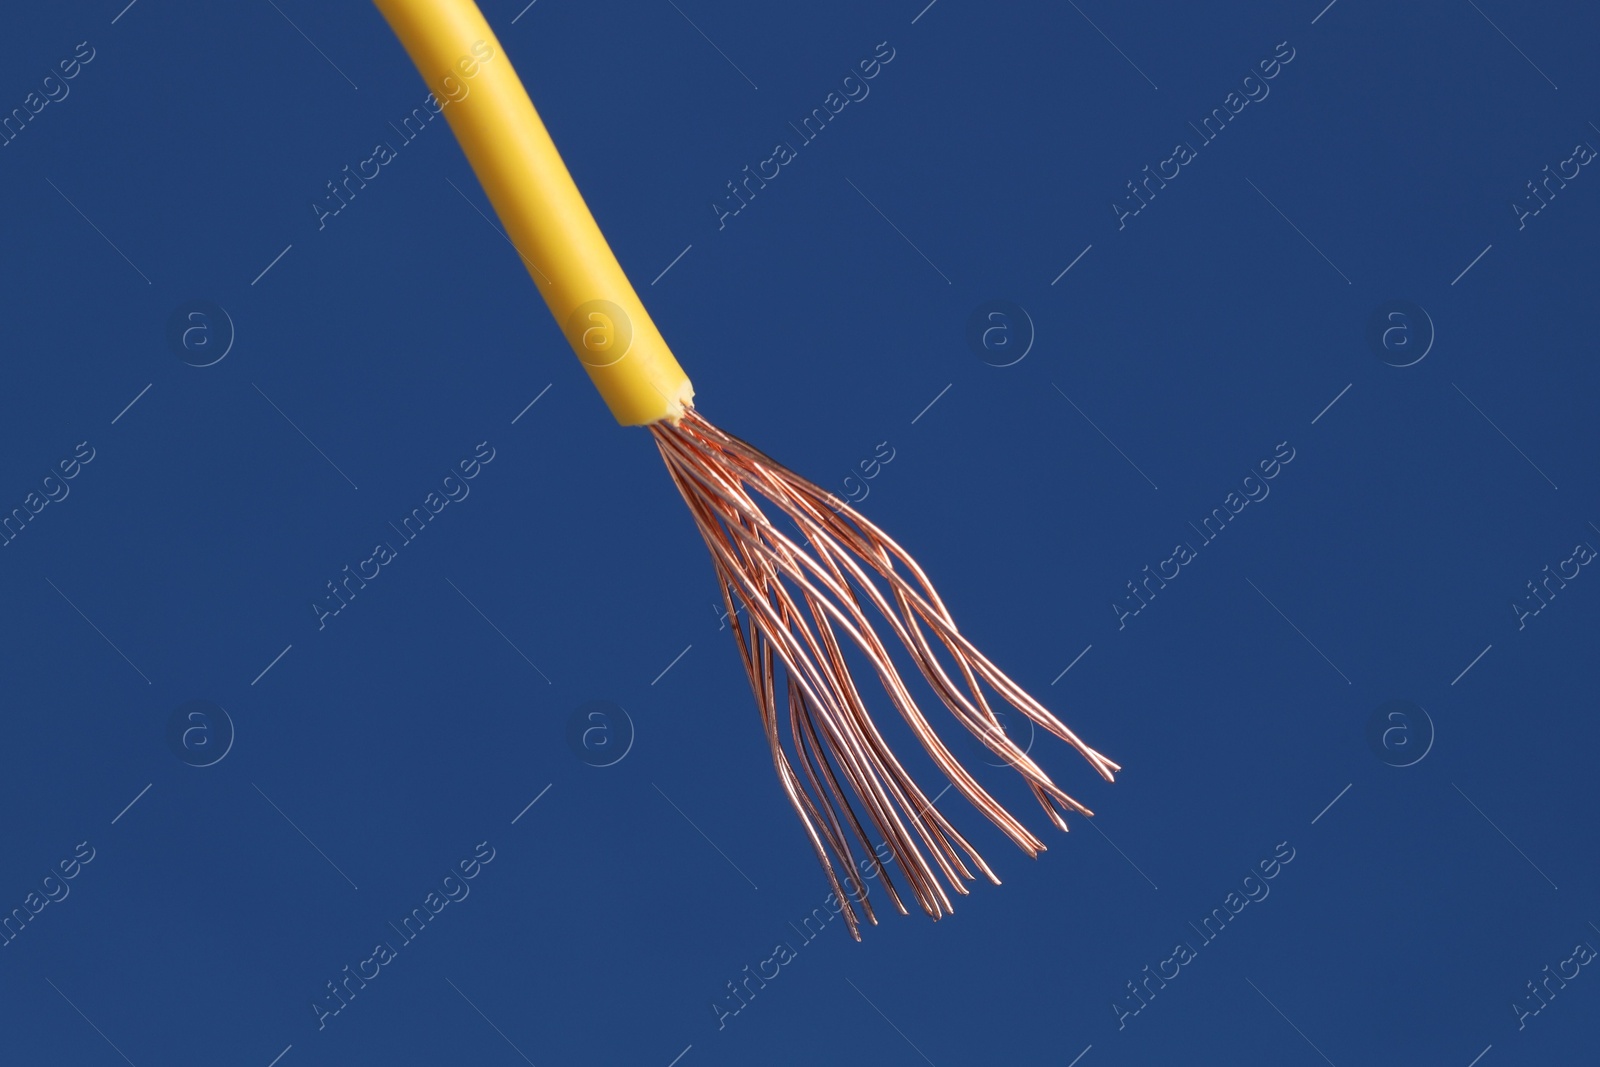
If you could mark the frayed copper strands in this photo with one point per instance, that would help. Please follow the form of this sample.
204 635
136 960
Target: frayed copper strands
804 603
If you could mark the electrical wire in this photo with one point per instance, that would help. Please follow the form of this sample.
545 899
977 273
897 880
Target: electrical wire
844 590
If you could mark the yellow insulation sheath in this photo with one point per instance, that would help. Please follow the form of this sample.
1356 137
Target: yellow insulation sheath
541 208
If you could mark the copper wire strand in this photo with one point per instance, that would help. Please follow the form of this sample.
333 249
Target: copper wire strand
757 659
876 552
866 764
831 730
987 727
889 773
861 769
875 546
993 736
761 678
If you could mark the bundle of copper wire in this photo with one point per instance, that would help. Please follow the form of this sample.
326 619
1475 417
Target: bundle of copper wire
799 599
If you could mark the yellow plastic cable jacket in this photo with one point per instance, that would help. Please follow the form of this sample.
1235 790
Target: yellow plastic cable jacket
541 208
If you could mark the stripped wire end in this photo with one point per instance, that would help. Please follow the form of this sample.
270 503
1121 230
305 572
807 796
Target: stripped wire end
804 603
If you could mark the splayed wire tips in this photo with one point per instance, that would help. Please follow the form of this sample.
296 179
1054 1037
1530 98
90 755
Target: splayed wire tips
806 602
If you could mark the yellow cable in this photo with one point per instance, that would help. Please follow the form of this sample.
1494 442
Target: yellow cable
763 575
544 214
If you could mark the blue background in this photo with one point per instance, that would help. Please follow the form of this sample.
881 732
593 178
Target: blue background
374 754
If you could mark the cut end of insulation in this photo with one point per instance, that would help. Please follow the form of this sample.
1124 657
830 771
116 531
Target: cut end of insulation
677 405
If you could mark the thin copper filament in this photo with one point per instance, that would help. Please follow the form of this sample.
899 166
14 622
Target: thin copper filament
803 603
